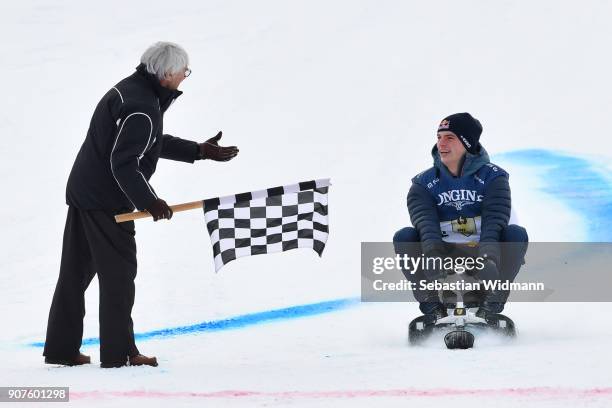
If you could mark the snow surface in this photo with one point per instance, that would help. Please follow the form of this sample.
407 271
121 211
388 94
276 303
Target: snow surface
350 90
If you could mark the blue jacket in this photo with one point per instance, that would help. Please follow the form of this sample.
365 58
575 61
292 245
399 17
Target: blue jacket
471 208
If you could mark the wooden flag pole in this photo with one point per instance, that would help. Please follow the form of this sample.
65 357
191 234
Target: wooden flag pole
144 214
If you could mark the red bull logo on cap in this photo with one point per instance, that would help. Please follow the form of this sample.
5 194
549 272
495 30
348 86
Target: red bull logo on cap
445 124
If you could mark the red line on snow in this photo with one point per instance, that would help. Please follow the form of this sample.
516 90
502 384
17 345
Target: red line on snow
409 392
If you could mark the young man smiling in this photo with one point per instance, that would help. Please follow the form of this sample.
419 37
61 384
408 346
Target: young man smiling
461 205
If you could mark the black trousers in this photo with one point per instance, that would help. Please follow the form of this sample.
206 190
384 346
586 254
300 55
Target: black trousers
512 256
94 243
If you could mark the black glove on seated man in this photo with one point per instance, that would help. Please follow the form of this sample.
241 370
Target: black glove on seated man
489 272
435 273
160 210
210 149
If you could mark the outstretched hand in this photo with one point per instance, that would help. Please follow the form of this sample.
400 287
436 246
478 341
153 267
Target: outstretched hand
210 149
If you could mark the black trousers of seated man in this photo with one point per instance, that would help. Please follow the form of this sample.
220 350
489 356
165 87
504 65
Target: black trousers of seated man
94 244
514 240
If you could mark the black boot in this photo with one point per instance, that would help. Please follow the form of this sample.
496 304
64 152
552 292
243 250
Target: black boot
433 311
492 304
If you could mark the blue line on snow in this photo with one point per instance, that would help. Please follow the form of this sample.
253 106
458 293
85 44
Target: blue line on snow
572 180
575 181
239 321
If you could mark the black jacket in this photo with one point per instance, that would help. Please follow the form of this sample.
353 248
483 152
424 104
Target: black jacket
436 197
124 141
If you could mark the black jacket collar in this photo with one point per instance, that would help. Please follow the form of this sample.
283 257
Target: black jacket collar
165 95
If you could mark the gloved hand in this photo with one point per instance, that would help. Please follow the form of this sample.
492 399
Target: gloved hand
210 149
435 273
489 272
160 210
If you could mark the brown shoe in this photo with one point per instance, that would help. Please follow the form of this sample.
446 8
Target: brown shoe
139 360
79 359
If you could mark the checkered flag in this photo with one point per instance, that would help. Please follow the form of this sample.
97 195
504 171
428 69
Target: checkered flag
273 220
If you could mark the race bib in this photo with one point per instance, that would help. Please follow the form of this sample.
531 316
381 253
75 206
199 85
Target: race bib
464 230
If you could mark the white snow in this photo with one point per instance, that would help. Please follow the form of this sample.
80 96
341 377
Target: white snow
351 90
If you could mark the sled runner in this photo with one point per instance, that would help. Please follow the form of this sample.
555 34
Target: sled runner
462 324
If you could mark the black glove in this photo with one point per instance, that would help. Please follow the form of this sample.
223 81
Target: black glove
490 250
435 273
489 272
160 210
210 149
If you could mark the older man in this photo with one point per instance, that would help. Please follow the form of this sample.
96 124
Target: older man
111 175
461 206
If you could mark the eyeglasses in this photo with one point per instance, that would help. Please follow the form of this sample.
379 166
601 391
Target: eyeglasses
187 72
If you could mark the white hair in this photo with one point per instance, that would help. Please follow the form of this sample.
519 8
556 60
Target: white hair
165 58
